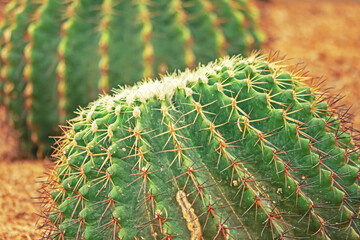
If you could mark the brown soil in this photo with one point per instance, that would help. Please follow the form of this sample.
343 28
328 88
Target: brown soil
325 35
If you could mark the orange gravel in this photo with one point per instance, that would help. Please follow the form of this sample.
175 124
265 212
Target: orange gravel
325 35
18 193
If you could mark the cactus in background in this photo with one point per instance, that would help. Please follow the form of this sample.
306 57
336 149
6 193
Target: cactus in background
9 15
40 72
243 148
59 55
12 57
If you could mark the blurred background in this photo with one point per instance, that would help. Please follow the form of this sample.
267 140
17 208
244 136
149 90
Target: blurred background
324 35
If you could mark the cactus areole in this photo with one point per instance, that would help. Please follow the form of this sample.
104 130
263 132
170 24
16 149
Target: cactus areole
243 148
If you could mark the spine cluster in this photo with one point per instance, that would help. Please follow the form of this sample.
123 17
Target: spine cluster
243 148
57 55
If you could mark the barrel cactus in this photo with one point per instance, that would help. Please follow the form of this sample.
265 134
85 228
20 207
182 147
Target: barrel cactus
243 148
57 55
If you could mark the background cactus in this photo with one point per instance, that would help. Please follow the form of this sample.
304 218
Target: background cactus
9 12
238 149
57 55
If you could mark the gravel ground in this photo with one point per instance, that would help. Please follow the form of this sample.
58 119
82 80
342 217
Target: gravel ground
325 35
19 182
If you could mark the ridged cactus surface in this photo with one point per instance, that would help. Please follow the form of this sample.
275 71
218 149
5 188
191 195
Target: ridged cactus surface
57 55
243 148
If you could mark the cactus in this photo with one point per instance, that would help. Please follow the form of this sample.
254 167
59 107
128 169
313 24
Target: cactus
58 55
9 12
243 148
14 64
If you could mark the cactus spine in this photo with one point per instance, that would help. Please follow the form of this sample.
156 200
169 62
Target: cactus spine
241 148
83 47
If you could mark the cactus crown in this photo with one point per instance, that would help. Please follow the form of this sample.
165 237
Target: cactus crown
243 148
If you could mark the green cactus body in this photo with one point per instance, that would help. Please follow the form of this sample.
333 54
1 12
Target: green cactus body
208 37
250 13
232 25
238 149
40 71
14 63
79 70
97 45
125 28
169 30
9 15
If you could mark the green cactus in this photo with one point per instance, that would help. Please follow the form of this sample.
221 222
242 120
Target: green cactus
9 15
62 54
40 72
243 148
15 39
